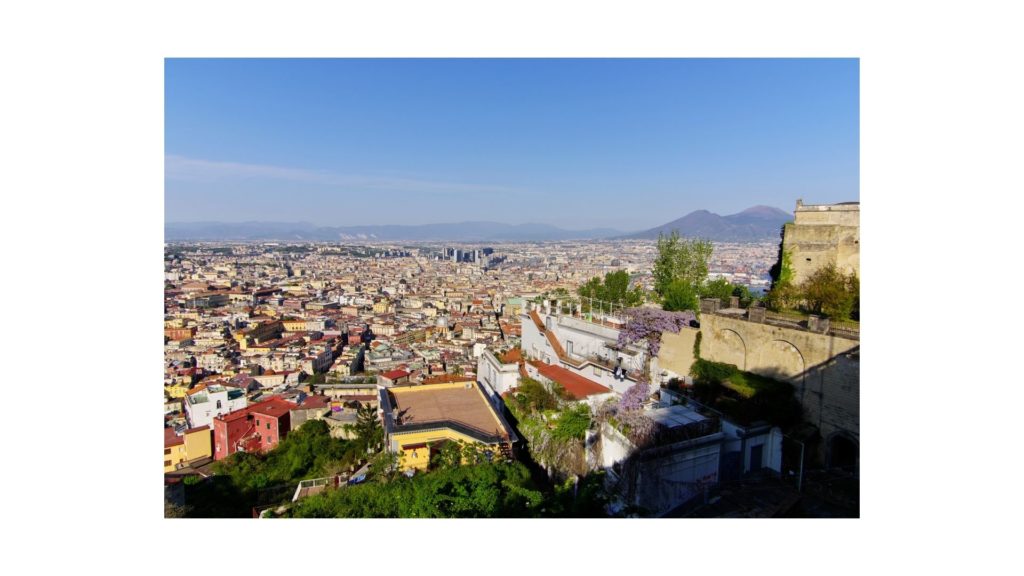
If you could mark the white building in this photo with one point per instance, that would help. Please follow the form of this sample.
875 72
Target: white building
203 406
583 346
495 377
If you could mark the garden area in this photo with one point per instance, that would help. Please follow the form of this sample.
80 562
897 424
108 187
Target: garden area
745 397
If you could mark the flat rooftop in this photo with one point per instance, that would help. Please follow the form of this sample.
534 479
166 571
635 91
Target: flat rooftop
674 416
425 404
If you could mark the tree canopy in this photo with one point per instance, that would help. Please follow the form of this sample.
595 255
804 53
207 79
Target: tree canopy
614 289
680 296
830 292
478 491
678 259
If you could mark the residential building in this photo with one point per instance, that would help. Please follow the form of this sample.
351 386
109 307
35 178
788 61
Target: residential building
418 420
205 402
256 428
194 444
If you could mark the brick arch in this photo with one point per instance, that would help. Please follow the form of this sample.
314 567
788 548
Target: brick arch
786 357
734 348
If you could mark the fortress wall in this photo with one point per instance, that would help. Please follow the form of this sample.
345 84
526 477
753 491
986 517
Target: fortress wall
824 369
821 235
676 353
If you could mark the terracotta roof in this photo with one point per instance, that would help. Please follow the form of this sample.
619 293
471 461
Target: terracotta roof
578 386
512 356
395 374
314 402
274 407
172 439
537 320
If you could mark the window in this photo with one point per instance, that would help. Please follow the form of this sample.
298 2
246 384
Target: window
218 404
268 425
167 451
167 462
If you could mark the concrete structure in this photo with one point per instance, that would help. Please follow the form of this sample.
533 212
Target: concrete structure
691 452
823 234
419 419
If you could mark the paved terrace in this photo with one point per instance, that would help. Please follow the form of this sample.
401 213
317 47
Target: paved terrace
466 406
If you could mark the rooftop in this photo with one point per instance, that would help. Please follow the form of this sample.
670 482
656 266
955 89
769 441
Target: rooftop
438 403
447 378
577 386
675 416
274 407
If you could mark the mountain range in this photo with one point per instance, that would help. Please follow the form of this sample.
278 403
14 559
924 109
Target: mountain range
301 231
753 224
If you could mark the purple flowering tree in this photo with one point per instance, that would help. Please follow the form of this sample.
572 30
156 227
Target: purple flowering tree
648 324
645 325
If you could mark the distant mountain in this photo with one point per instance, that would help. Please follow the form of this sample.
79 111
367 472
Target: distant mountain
303 231
756 223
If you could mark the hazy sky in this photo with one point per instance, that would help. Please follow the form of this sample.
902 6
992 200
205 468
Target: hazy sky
629 144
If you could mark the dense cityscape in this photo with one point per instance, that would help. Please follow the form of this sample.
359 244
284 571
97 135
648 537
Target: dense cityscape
511 288
263 338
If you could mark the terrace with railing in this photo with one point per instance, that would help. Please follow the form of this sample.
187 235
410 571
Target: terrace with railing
787 319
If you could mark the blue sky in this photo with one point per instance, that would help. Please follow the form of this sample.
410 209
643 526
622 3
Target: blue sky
620 143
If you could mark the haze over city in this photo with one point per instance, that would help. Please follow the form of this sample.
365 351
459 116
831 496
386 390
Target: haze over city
617 143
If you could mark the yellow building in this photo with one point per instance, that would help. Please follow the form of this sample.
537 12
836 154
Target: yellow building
178 390
294 325
418 420
194 444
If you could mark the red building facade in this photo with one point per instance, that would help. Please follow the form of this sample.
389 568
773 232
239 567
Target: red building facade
255 428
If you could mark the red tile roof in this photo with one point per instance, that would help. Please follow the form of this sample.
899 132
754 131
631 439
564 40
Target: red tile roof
311 402
512 356
274 407
576 385
395 374
172 439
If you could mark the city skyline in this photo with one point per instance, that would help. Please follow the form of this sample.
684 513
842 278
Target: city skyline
559 142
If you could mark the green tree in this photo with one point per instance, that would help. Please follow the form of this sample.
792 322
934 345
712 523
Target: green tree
783 293
684 260
830 292
679 296
449 455
614 289
665 263
367 429
718 288
534 396
744 294
572 423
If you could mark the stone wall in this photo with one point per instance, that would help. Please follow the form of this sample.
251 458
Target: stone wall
824 369
821 235
676 353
